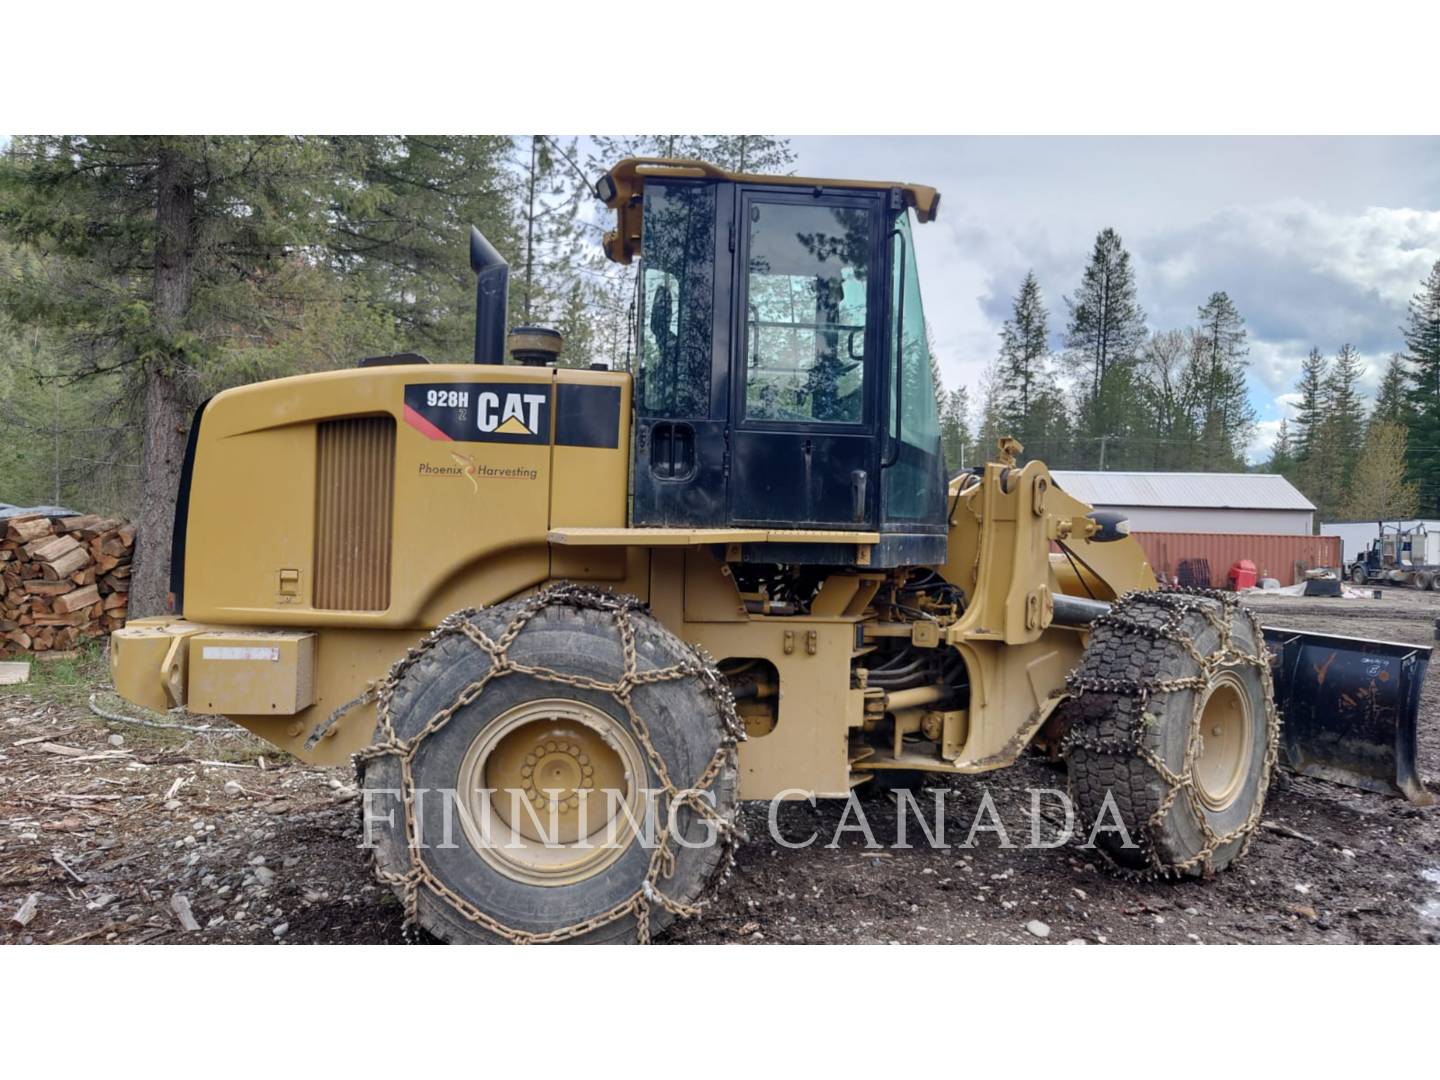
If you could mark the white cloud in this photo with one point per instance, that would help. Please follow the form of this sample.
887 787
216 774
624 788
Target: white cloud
1262 441
1385 251
1178 269
1275 368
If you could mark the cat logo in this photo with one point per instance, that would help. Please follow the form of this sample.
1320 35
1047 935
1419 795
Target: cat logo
513 414
503 412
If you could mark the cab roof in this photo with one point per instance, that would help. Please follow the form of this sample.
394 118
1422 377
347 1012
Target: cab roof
621 189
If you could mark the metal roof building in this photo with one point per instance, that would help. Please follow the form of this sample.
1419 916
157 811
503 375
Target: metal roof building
1196 502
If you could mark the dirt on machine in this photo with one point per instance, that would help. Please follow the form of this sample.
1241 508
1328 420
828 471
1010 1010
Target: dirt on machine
564 620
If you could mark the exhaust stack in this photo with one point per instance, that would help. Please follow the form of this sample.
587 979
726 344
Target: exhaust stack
492 297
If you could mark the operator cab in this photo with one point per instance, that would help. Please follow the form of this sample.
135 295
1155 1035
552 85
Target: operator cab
783 376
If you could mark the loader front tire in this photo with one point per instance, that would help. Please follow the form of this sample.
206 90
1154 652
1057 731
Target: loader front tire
548 738
1172 731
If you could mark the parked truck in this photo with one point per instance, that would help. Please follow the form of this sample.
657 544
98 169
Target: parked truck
1400 556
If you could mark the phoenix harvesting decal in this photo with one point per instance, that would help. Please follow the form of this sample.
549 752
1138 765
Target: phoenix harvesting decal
475 471
467 466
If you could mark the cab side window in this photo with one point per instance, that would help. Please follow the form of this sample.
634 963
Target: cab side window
806 313
678 261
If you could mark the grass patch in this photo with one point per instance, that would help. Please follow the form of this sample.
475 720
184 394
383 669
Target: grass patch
68 680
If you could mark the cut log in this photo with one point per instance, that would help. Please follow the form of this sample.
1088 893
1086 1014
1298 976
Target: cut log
67 564
25 529
50 548
26 911
62 580
76 524
76 600
75 618
41 587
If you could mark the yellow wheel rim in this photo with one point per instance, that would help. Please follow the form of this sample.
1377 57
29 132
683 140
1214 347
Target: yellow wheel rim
551 791
1227 728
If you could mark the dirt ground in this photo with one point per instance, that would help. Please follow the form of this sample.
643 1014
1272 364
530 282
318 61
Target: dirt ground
116 837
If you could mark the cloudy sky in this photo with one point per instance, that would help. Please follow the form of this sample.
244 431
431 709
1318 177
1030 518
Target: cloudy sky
1318 241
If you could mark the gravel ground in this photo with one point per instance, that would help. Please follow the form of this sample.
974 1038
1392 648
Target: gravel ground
132 839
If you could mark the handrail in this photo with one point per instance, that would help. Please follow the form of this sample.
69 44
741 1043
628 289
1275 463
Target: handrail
893 452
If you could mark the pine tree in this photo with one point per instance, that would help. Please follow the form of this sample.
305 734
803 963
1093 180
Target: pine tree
991 424
1105 332
1391 406
955 430
1379 490
1282 452
1107 325
1422 358
1313 465
1313 389
57 437
1049 429
159 252
561 277
1024 360
400 212
1345 422
1226 417
747 153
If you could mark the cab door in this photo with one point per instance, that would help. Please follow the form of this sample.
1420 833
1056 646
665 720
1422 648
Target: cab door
806 345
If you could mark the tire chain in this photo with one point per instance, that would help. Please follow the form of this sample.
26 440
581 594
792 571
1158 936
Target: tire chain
649 895
1178 604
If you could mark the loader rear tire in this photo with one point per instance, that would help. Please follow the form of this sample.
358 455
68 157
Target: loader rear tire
506 882
1180 751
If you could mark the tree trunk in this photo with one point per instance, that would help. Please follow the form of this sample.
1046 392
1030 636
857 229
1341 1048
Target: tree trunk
166 414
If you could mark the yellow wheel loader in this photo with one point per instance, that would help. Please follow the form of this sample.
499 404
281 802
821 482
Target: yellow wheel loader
565 620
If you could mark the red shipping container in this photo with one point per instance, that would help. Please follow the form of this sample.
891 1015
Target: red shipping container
1205 559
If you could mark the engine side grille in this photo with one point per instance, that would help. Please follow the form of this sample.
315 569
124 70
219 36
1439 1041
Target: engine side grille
354 508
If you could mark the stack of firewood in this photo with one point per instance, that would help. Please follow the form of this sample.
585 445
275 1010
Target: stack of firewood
62 580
